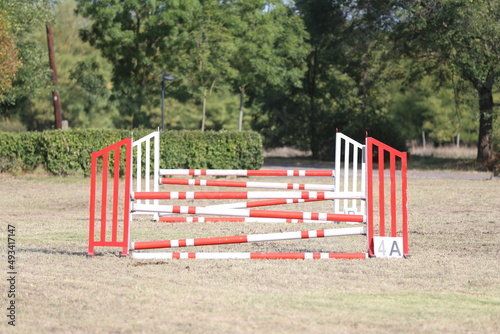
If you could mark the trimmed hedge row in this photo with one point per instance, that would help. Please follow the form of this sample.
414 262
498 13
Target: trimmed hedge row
69 152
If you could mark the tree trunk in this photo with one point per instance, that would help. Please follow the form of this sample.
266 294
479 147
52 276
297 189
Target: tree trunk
313 131
484 144
203 110
313 118
242 102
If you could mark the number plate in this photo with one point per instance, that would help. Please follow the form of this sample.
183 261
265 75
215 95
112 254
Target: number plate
388 247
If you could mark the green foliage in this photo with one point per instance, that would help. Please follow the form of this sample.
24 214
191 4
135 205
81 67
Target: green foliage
65 152
464 35
20 152
83 75
140 38
271 47
301 68
221 112
206 45
442 112
344 84
8 56
31 81
8 125
69 152
207 67
8 152
33 76
219 150
25 14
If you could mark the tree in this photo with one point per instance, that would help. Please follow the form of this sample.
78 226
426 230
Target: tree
33 77
344 83
318 103
84 75
140 38
444 111
9 63
87 76
211 51
463 34
253 44
270 42
31 97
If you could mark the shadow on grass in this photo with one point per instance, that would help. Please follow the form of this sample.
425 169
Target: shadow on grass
61 252
50 251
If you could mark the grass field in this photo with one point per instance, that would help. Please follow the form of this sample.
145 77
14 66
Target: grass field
450 284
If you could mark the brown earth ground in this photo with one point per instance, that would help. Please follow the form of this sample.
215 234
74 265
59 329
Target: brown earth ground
450 284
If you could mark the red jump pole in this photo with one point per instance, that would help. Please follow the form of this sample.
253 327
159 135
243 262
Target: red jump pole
244 256
245 184
320 195
248 238
234 220
245 172
249 213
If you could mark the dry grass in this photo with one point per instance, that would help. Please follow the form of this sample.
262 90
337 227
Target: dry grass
450 285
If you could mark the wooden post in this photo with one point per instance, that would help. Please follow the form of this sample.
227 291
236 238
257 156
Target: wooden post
52 62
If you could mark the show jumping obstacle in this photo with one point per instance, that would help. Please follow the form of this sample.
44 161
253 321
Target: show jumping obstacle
355 196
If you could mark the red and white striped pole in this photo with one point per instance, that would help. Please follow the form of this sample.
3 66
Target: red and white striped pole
236 220
243 256
249 213
246 172
247 184
322 195
238 239
241 205
254 204
269 202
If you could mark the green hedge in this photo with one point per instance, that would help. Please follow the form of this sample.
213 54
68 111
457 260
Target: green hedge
69 152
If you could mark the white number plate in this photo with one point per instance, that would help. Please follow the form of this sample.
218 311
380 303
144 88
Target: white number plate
388 247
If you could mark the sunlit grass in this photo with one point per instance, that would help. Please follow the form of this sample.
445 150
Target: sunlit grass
449 285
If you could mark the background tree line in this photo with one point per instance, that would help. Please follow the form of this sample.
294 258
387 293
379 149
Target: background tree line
292 70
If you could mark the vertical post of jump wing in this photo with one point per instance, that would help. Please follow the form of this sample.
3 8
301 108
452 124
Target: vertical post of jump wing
404 204
370 230
126 198
93 177
116 197
381 192
115 206
147 165
338 162
393 210
351 179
